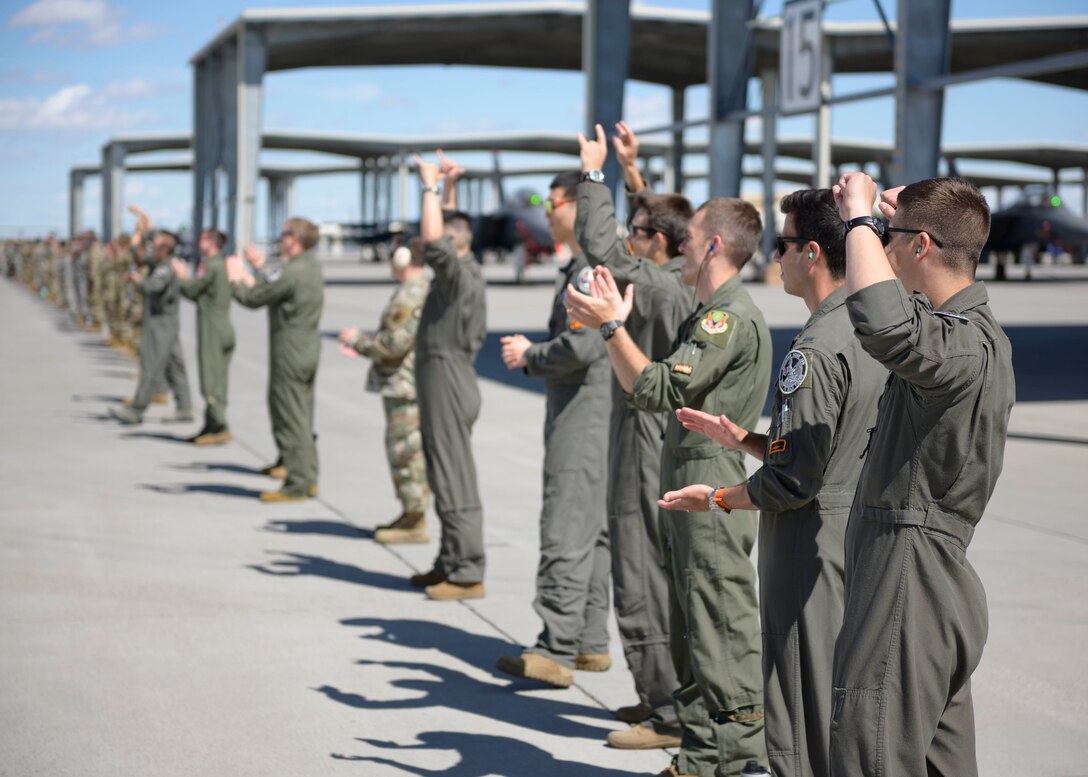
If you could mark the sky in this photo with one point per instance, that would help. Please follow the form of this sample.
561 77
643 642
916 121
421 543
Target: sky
75 72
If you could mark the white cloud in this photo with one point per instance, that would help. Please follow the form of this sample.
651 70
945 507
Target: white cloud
79 23
79 107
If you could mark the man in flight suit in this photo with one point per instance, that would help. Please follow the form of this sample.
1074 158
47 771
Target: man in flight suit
650 259
452 327
722 366
392 374
161 358
211 291
824 404
295 296
572 578
915 619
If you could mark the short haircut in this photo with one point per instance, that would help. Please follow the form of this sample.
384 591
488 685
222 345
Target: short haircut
816 218
306 232
459 224
567 181
737 223
175 241
953 211
216 235
669 214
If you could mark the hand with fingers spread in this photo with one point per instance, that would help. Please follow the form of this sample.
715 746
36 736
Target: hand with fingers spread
254 256
717 427
513 350
689 499
180 268
603 303
593 152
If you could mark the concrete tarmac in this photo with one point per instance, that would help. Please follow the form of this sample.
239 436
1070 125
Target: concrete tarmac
158 620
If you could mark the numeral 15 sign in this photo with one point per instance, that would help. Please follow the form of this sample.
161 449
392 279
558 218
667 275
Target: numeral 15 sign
799 56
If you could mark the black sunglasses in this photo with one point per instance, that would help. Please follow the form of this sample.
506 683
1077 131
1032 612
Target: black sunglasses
781 240
886 237
647 231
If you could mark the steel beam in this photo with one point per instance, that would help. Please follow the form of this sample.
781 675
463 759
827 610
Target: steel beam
113 183
75 202
606 53
674 158
922 49
769 151
730 47
252 61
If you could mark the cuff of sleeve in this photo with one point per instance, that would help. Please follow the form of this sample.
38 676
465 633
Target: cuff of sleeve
879 307
531 359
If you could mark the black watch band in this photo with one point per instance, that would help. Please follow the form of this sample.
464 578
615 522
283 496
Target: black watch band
609 328
872 222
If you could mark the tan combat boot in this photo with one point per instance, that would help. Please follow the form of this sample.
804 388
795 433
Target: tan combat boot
408 528
533 666
642 737
593 662
449 591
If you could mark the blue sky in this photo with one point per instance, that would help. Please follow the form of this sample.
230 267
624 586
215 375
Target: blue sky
74 72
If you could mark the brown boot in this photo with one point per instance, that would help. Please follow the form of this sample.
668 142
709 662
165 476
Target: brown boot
281 496
593 662
408 528
636 713
277 471
427 579
449 591
642 738
533 666
162 398
212 438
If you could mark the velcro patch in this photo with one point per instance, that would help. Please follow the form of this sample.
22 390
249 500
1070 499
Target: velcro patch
575 325
777 446
715 322
683 369
794 372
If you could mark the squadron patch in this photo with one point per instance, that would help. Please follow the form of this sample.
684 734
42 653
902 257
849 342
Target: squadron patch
716 322
794 371
584 277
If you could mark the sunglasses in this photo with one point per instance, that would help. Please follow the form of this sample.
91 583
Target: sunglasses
550 205
886 236
781 240
647 231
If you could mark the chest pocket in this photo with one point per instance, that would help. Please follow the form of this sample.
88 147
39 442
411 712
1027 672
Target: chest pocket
684 364
779 436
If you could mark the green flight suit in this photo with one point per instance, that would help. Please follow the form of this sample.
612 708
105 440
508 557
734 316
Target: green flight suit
640 586
295 296
572 578
161 358
915 619
211 291
722 365
452 327
824 404
392 374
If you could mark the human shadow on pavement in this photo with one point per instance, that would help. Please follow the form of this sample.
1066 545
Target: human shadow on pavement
300 565
479 650
218 466
327 528
482 755
109 398
454 690
202 488
157 436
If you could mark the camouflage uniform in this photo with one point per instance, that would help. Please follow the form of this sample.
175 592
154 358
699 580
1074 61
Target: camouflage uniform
96 267
393 375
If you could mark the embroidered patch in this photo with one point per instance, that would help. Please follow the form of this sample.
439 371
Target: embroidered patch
794 371
683 369
576 325
584 277
715 322
778 446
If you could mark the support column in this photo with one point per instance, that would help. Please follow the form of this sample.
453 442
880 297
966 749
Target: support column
362 190
402 185
75 202
606 51
1084 192
674 157
821 151
205 145
243 70
769 151
498 197
113 183
730 47
922 46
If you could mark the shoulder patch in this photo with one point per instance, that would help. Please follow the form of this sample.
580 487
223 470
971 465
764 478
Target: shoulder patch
794 372
584 277
715 322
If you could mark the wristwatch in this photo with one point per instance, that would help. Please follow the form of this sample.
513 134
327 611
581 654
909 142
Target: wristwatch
596 176
433 189
717 503
873 223
608 328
